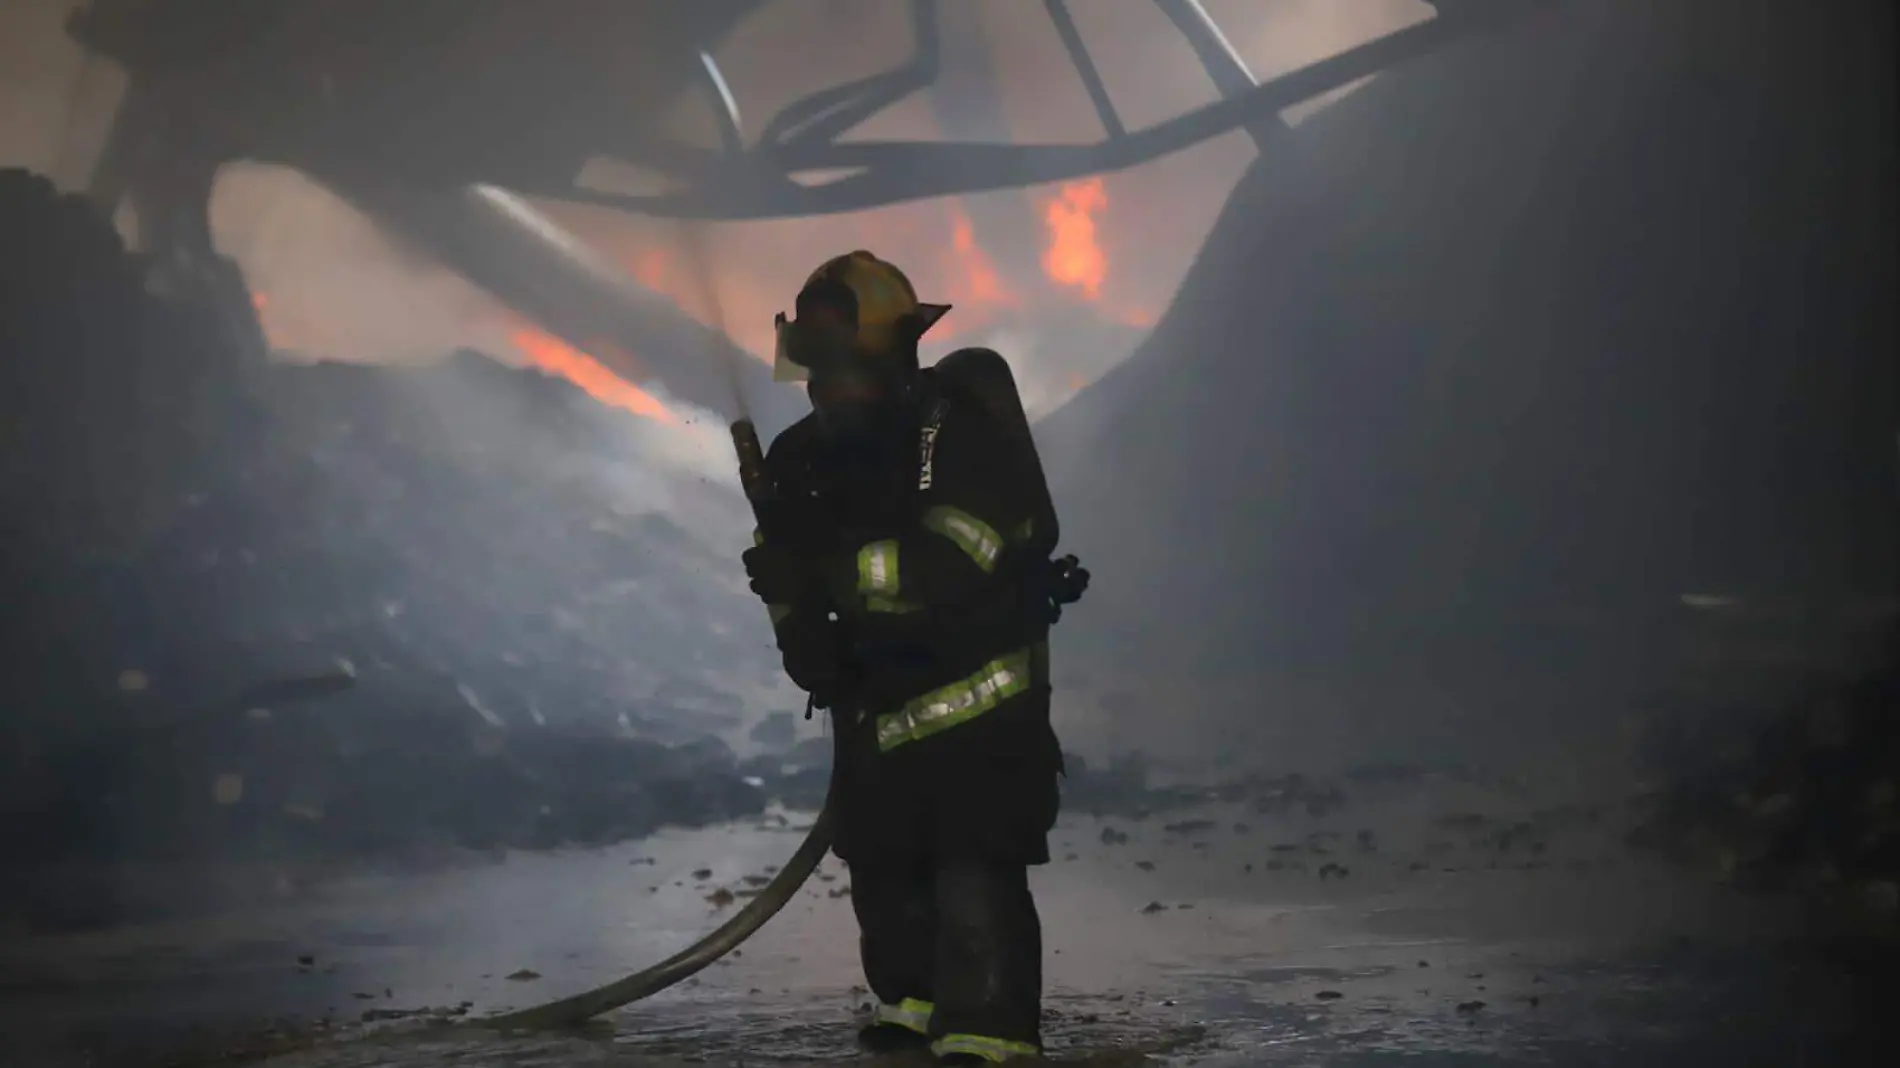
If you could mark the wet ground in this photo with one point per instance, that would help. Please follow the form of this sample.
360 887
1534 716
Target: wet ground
1210 942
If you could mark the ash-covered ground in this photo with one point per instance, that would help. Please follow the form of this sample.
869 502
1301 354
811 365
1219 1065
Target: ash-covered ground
1433 918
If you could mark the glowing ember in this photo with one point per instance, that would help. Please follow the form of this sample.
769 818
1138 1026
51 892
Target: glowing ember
556 357
1074 258
271 318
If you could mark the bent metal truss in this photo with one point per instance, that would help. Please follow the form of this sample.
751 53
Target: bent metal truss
443 118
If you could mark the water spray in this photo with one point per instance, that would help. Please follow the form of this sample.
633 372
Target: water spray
760 493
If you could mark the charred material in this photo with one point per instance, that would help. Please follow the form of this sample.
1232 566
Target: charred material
1799 796
533 664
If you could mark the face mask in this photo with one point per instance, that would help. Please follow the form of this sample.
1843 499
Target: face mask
852 404
811 345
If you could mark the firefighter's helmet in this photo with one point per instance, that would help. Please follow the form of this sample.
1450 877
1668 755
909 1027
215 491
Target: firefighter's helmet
853 307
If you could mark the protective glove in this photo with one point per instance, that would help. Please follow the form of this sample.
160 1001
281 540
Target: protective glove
1069 580
780 575
1053 584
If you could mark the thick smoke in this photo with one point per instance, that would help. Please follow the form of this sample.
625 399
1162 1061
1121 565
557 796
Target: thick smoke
1472 386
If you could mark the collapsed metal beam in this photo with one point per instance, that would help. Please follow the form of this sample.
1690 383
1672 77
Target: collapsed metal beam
725 106
755 184
531 264
528 263
1224 67
828 114
1085 68
732 181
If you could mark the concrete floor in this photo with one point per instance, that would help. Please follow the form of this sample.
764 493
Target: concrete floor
1440 953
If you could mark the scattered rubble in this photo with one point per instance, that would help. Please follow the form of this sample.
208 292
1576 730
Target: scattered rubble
538 655
1799 797
1189 827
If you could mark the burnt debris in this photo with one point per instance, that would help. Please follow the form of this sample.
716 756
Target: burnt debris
536 658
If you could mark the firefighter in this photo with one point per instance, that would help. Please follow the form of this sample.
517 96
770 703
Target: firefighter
907 595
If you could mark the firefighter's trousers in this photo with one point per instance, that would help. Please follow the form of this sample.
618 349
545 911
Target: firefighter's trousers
958 946
940 836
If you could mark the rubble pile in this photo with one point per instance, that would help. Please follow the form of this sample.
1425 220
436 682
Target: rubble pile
429 538
540 654
1800 798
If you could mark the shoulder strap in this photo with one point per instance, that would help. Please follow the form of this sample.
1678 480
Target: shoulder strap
981 378
928 429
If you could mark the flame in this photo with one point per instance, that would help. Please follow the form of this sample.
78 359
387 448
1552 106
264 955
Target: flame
655 269
556 357
753 270
979 273
969 278
1074 258
271 318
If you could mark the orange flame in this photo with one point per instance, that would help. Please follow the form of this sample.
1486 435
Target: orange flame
553 356
986 286
278 334
654 268
1074 258
970 279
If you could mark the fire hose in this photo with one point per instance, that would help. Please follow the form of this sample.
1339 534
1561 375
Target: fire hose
1061 583
728 936
786 883
526 254
791 878
1057 582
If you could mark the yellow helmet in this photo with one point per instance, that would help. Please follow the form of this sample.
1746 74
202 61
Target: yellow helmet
887 316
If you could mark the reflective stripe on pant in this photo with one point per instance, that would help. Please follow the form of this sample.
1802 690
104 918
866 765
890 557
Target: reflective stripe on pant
994 1050
961 701
911 1014
963 937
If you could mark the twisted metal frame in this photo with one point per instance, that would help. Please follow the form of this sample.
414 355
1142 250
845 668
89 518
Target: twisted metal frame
736 181
171 137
